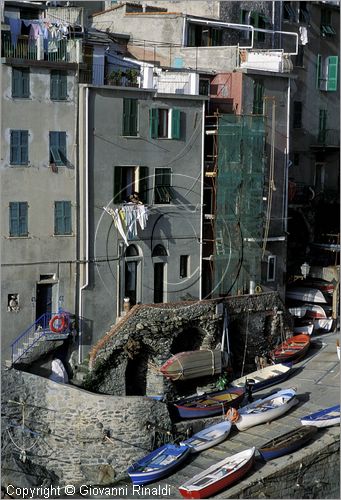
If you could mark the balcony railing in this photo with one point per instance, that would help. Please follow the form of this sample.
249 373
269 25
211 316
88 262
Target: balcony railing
266 60
62 51
99 75
328 138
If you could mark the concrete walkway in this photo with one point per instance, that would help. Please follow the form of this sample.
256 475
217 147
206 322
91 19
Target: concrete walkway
317 379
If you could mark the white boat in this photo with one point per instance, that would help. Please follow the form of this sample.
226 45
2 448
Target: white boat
263 410
305 295
306 329
323 418
265 377
206 438
314 311
298 311
324 324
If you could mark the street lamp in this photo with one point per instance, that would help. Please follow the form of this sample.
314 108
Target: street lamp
305 268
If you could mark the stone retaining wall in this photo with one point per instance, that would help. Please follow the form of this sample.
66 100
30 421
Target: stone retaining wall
71 424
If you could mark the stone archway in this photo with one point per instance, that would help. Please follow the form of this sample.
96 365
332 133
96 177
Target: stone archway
190 338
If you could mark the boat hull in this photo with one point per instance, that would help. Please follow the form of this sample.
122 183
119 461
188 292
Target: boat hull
210 404
209 437
287 443
306 295
193 364
188 489
264 410
323 418
293 349
266 377
150 468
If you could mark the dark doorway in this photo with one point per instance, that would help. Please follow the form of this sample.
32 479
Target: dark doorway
130 281
43 299
136 375
158 282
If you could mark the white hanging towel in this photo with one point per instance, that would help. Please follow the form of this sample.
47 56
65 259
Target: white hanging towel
117 221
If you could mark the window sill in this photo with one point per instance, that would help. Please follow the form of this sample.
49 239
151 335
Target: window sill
60 100
19 237
62 235
18 165
131 136
23 98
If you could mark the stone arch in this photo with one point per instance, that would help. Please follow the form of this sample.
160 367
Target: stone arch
136 374
190 338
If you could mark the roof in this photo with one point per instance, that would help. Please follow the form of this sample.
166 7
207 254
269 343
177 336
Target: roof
132 4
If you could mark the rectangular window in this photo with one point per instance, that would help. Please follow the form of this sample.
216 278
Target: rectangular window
297 120
289 11
129 125
163 192
58 148
19 147
319 177
165 123
296 159
258 97
129 180
271 271
62 218
322 126
184 266
21 82
18 218
258 21
304 14
326 28
318 70
299 58
58 85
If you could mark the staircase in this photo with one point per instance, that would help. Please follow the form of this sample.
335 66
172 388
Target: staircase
33 338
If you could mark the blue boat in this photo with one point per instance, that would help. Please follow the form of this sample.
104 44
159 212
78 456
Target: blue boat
323 418
287 443
159 463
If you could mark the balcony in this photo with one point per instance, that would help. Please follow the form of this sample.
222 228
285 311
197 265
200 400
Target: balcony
66 51
266 60
327 139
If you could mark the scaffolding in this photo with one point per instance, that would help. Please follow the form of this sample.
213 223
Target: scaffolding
238 167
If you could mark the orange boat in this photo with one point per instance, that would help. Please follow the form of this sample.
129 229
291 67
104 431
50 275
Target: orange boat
292 349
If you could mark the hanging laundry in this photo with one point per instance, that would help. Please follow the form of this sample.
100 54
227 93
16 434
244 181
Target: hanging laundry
15 28
142 216
118 222
35 32
303 35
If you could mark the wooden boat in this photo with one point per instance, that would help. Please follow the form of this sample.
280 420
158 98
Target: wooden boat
323 418
266 377
219 476
324 325
297 311
292 349
193 364
157 464
319 283
208 437
209 404
306 329
305 294
287 443
314 311
263 410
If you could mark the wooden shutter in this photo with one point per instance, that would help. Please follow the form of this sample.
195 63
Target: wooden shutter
62 147
318 70
23 147
322 125
117 198
332 72
143 184
58 217
14 218
126 116
63 86
16 82
54 87
153 122
23 230
67 217
15 146
176 115
133 117
25 82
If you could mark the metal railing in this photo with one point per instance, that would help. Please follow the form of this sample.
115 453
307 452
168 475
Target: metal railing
62 51
328 137
32 336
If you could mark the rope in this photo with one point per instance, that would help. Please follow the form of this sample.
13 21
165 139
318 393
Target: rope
245 347
272 187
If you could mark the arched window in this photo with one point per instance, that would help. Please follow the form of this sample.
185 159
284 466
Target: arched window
132 274
159 251
131 251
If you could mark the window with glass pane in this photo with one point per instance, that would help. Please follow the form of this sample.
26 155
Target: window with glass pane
58 148
18 218
20 82
297 120
58 85
163 192
271 274
184 266
62 218
19 147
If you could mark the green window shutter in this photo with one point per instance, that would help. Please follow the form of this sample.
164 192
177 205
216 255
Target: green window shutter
176 115
67 217
143 184
16 82
62 147
322 125
126 116
318 70
23 230
14 148
24 147
14 219
63 86
117 198
54 87
258 95
58 148
332 72
25 82
153 122
133 117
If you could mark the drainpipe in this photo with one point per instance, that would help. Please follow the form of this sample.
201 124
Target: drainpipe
273 24
202 199
86 197
287 150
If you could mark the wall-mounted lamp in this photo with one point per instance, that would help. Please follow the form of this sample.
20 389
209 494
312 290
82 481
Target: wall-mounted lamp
305 268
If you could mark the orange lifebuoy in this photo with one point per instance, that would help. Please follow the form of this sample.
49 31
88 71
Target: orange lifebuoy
62 323
233 415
